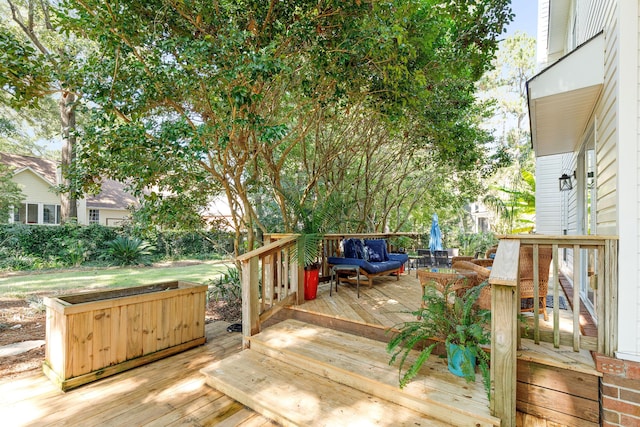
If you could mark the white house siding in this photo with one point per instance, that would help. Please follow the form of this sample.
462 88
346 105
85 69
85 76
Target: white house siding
628 175
569 199
543 31
110 217
591 19
35 189
607 135
548 197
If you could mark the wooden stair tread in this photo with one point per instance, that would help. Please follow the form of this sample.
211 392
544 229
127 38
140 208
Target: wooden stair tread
356 363
293 396
368 360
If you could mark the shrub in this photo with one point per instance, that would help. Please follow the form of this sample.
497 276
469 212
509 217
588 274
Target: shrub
129 251
18 263
226 288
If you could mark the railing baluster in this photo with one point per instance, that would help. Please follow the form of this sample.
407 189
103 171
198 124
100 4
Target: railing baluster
577 285
278 278
285 274
267 281
611 298
556 297
600 297
536 294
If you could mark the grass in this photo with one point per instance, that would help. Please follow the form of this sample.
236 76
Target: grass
59 282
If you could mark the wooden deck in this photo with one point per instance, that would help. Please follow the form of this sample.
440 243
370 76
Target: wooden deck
168 392
173 391
387 303
390 302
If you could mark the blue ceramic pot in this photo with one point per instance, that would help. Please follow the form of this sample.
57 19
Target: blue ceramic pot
456 356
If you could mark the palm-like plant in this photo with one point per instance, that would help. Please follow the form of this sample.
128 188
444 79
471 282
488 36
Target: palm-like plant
311 222
516 206
129 251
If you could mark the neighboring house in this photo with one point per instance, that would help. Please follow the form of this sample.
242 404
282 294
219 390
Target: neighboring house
585 122
37 178
481 217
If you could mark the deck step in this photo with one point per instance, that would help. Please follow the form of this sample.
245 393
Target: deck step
363 363
292 396
359 363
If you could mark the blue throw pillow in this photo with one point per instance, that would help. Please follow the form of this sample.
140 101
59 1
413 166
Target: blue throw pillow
377 250
359 248
349 248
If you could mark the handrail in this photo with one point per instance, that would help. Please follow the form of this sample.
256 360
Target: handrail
603 251
599 254
270 247
271 279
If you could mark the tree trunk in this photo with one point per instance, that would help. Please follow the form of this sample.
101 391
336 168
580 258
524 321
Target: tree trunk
68 204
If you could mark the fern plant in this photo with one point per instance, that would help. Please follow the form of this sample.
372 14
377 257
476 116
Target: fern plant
446 317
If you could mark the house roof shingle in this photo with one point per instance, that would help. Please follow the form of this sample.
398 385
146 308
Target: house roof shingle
112 196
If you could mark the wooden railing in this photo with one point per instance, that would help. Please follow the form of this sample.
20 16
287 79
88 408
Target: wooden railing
597 254
331 244
271 279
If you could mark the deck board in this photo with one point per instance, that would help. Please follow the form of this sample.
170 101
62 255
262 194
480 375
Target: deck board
390 302
170 391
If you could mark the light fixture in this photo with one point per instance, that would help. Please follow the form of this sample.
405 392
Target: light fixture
565 182
591 182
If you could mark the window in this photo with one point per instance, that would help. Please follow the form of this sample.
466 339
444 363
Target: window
94 216
29 213
51 214
36 213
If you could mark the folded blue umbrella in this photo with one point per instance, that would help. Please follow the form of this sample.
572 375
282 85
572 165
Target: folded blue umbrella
435 236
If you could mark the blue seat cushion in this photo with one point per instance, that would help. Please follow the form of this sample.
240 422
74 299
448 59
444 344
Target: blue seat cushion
377 250
369 267
401 258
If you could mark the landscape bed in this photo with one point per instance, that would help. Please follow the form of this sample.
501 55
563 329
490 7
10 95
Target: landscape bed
96 334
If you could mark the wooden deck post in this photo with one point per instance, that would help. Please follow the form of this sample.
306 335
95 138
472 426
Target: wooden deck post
250 303
504 330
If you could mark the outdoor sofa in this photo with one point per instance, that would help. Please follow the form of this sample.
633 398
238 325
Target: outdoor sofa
371 256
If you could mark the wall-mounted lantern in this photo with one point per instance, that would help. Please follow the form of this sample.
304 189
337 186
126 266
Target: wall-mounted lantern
565 182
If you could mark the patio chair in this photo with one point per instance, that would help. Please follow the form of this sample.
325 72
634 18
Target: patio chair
484 300
425 258
526 276
491 252
483 262
441 258
460 258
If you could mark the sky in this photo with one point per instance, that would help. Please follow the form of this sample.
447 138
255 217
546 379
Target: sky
526 18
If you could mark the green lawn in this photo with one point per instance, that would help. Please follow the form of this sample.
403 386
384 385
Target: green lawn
55 283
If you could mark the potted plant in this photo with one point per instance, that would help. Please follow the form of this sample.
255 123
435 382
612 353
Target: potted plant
310 224
450 318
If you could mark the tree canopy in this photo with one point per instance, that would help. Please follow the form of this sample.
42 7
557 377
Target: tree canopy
370 103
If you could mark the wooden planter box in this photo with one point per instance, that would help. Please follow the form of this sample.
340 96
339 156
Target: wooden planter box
93 335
